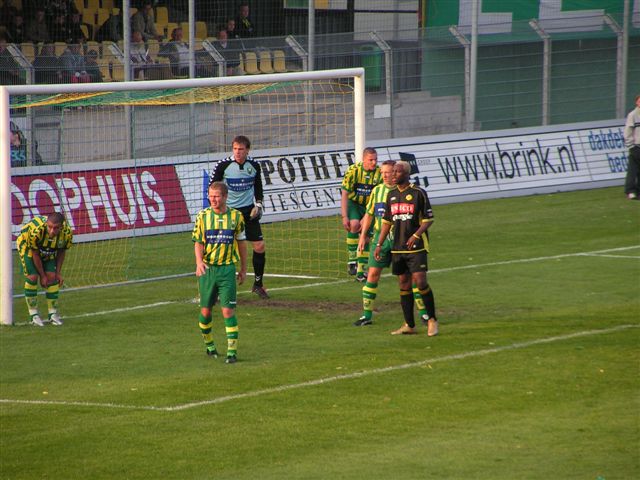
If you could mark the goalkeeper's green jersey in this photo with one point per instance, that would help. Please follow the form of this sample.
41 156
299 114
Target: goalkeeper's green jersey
359 183
34 236
377 204
219 233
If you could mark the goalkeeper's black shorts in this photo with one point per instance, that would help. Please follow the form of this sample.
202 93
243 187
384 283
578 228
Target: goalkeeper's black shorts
252 228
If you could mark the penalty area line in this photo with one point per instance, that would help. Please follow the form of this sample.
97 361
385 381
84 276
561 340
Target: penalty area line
326 380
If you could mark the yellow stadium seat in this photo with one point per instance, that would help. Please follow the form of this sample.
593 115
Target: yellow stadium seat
265 61
162 15
79 5
201 30
106 4
103 16
279 63
85 31
93 5
28 49
251 63
60 47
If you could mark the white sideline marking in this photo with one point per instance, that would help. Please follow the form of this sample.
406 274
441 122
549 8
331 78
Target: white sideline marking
325 380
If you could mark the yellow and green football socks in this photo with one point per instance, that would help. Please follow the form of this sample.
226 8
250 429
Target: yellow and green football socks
352 247
53 291
231 328
369 293
417 296
31 296
205 328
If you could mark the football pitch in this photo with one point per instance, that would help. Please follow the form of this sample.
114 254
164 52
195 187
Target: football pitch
535 373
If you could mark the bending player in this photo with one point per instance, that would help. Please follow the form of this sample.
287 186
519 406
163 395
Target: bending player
42 245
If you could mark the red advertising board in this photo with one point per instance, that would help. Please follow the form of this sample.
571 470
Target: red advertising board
99 201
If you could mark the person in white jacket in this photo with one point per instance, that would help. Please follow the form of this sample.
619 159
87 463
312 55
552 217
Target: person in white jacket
632 142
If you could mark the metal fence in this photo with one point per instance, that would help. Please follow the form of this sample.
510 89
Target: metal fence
419 80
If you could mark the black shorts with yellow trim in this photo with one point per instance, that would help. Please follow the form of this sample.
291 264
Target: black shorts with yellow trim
408 262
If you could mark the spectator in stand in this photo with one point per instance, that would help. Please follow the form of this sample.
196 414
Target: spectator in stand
74 68
111 29
59 31
47 65
75 32
244 25
93 69
144 22
222 45
177 51
140 59
7 12
232 32
9 68
37 30
16 30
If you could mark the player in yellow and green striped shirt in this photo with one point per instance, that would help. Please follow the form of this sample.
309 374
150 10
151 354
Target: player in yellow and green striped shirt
357 184
219 243
42 245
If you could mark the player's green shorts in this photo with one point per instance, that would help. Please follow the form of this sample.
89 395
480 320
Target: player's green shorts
355 211
29 268
385 252
218 282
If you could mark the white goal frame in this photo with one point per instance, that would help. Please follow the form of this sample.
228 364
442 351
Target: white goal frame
6 261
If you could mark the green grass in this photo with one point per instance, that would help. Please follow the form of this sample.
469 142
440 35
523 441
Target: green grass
484 400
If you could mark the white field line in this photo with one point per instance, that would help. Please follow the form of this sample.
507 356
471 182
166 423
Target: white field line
614 256
337 282
326 380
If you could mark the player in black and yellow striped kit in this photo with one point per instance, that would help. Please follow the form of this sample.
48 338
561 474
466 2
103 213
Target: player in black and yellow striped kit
42 245
408 212
219 243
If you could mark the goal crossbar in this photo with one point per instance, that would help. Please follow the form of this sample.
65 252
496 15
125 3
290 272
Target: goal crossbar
6 267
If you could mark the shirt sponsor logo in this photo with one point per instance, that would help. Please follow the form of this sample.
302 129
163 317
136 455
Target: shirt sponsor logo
224 237
402 208
363 189
240 184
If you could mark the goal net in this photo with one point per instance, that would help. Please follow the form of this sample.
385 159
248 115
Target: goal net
128 164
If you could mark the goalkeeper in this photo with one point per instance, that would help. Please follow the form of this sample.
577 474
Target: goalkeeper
357 184
375 212
243 178
218 237
42 246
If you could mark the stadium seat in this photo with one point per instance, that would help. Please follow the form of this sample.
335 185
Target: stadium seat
60 48
162 16
265 61
85 31
93 5
279 63
251 63
201 30
89 16
28 49
106 4
103 16
92 45
104 69
154 48
79 5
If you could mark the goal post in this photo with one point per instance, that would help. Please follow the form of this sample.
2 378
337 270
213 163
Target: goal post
117 154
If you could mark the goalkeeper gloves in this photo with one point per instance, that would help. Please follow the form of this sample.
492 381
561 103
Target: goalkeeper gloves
256 212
